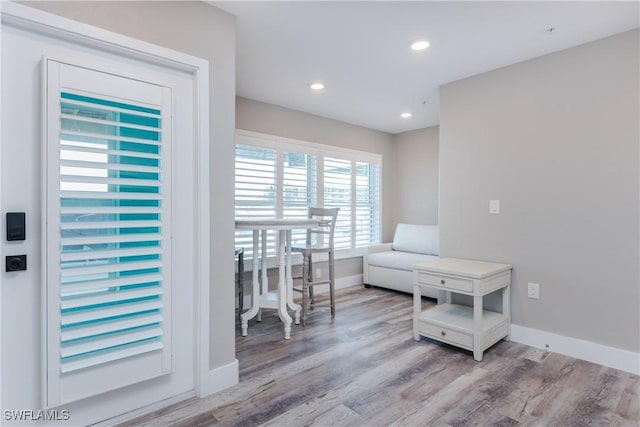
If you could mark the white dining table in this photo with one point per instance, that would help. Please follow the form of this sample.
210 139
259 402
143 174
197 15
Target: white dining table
261 297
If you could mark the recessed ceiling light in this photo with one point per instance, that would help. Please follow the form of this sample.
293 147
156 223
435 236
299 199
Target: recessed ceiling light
420 45
406 115
317 86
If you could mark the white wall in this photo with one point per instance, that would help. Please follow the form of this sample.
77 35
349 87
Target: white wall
201 30
415 181
556 140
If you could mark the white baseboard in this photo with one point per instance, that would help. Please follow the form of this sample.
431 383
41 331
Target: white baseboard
349 281
217 379
221 378
585 350
341 283
123 418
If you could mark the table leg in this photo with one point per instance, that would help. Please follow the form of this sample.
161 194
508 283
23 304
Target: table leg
255 289
264 279
477 328
290 303
282 286
417 310
506 309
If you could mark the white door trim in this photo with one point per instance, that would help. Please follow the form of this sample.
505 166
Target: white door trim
40 22
2 222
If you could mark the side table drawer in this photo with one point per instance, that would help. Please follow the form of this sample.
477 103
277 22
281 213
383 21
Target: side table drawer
445 282
445 334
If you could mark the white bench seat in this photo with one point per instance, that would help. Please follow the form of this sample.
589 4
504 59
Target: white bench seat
397 260
390 265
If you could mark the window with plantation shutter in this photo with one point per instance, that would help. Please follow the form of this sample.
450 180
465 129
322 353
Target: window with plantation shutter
278 177
108 237
299 188
338 193
367 202
255 192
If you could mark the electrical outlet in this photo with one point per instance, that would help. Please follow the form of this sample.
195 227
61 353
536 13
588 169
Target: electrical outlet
494 207
533 290
318 273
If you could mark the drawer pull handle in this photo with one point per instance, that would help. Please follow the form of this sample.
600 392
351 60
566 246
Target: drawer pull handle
443 333
442 282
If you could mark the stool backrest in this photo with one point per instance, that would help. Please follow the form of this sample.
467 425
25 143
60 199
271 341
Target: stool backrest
323 234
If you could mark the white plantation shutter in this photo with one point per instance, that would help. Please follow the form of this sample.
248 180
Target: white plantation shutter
367 202
108 232
337 182
277 177
255 192
299 177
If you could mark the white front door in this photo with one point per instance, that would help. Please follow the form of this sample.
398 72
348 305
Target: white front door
98 151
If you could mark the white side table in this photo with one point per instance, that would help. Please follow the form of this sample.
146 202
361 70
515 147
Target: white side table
471 328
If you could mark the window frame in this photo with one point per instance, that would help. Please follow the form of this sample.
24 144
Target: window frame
281 145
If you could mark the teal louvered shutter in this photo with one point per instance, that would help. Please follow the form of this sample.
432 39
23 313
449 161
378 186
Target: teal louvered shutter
108 196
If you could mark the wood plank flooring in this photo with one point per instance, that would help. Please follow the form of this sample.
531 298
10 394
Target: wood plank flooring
365 369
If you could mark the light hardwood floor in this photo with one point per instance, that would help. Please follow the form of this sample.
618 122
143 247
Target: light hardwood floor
365 369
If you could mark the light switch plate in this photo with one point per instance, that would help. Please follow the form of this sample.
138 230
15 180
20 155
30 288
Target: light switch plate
533 290
494 206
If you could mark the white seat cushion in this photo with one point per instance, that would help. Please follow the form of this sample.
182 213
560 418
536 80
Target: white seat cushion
418 239
397 260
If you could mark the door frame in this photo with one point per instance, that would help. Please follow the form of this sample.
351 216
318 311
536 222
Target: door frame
40 22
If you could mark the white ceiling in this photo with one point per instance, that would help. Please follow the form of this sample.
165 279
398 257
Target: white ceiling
360 50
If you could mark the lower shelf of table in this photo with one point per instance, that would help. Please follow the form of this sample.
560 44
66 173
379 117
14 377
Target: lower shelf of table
453 324
269 300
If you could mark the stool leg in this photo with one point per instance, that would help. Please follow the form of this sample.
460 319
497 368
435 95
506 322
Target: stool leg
309 278
332 287
305 289
241 283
